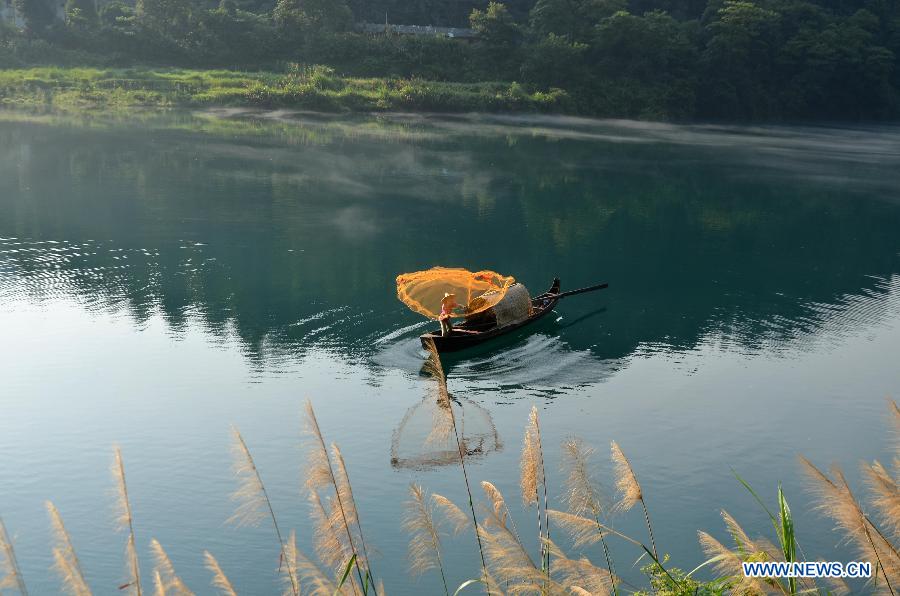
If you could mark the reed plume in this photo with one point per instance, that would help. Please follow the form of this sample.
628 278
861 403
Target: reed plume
508 558
582 530
510 562
165 571
434 367
582 494
338 519
630 489
580 573
838 502
315 581
253 504
532 476
64 557
729 564
887 496
289 568
458 520
345 495
11 575
424 541
159 589
125 521
327 534
219 579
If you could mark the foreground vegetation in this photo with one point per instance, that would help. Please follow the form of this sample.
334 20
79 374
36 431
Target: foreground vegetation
710 59
313 88
342 565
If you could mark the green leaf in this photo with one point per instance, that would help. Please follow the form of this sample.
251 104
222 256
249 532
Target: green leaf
346 574
786 536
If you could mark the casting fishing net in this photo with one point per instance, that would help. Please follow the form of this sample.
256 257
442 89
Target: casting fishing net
425 438
423 291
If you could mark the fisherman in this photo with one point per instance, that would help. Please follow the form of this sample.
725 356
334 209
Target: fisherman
448 303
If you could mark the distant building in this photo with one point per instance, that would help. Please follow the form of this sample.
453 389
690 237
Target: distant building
418 30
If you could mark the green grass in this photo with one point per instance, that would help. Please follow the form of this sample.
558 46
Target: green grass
316 88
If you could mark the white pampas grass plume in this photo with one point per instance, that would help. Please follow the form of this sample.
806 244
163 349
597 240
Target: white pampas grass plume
64 557
582 530
165 570
219 579
424 541
328 534
253 504
458 520
729 564
630 490
125 521
578 572
582 494
316 582
529 465
837 501
886 495
626 482
10 576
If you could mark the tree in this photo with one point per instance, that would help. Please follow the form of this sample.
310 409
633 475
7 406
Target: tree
81 14
555 62
38 14
495 26
647 64
315 16
740 73
571 19
166 16
115 14
839 69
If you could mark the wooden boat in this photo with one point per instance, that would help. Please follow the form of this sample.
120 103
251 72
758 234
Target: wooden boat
476 330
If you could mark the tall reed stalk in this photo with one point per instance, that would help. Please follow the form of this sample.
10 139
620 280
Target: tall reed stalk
320 474
64 557
126 522
583 496
9 566
630 489
436 369
253 503
425 542
533 477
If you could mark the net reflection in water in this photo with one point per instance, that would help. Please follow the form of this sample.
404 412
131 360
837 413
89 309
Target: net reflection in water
424 439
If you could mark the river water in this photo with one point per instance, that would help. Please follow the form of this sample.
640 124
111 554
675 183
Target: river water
164 276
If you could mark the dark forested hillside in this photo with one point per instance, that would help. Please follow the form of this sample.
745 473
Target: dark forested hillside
673 59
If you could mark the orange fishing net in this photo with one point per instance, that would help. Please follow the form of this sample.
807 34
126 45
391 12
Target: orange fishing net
423 291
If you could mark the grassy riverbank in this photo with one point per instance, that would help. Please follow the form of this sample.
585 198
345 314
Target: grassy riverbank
314 88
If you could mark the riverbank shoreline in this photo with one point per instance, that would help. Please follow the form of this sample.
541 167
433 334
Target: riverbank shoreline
314 88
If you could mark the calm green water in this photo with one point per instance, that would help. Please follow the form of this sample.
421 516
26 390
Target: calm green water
164 276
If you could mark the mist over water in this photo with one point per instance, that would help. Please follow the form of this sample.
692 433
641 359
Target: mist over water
166 275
